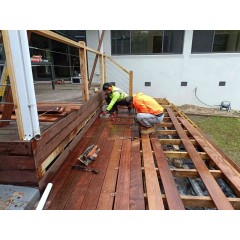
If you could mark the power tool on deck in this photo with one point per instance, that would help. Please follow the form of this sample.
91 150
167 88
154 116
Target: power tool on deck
89 155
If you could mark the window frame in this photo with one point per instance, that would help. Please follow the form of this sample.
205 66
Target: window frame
115 53
213 43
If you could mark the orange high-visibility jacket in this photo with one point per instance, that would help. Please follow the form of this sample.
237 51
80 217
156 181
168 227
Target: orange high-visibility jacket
146 104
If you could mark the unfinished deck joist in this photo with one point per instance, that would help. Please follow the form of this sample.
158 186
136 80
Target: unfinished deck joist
147 172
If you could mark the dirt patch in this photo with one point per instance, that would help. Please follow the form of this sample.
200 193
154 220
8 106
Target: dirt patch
195 110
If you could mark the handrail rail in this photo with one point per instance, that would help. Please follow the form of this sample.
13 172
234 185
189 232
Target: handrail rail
55 36
128 72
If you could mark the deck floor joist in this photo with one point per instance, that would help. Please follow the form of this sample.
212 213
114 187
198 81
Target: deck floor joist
174 168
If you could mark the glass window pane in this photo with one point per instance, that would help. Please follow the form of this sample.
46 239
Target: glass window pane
173 41
120 42
238 42
202 41
61 59
146 42
226 41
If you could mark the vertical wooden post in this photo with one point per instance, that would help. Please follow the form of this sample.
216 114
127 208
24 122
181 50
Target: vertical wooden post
83 70
130 83
96 59
105 68
101 71
8 109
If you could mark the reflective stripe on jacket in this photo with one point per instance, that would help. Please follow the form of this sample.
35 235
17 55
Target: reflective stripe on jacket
116 95
146 104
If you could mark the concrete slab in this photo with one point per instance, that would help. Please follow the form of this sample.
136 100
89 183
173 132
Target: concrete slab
18 197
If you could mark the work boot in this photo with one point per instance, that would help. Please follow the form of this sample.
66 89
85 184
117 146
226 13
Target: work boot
149 130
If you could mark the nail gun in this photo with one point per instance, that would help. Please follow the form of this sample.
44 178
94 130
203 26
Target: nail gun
89 155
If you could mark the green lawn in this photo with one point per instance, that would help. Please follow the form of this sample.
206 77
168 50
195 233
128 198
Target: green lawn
223 131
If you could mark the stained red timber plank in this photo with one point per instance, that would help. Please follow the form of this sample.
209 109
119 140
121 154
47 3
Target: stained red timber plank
232 177
154 197
106 197
51 172
62 129
16 162
27 177
105 143
172 195
70 189
65 170
85 194
213 188
136 180
123 182
79 190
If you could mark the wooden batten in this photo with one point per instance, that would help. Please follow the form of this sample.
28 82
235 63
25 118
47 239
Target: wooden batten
130 83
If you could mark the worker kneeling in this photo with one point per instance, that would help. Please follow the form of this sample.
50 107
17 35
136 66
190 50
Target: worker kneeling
114 96
149 111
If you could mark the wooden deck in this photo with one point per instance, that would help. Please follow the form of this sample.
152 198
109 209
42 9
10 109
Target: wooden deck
140 172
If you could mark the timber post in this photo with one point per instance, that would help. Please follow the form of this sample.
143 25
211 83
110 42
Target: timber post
130 83
83 70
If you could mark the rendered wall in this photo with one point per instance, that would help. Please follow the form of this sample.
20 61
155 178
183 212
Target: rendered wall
166 72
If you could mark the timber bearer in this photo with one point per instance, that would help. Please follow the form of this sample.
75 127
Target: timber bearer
149 112
114 96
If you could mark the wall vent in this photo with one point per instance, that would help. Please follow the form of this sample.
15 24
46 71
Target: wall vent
222 84
183 83
147 84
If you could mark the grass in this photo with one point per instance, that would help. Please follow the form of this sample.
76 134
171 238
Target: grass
223 131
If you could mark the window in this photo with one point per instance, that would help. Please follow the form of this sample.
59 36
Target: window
207 41
120 42
147 42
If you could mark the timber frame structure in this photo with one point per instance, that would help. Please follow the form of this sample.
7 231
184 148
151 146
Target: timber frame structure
136 171
34 162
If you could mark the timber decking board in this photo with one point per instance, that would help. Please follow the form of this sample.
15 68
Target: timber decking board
107 194
66 168
213 188
173 198
231 176
123 181
154 197
129 164
59 197
137 201
94 189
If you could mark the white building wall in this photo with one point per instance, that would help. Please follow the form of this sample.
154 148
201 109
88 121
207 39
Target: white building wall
92 41
201 71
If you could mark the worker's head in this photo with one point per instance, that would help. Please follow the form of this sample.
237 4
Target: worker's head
107 87
129 101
